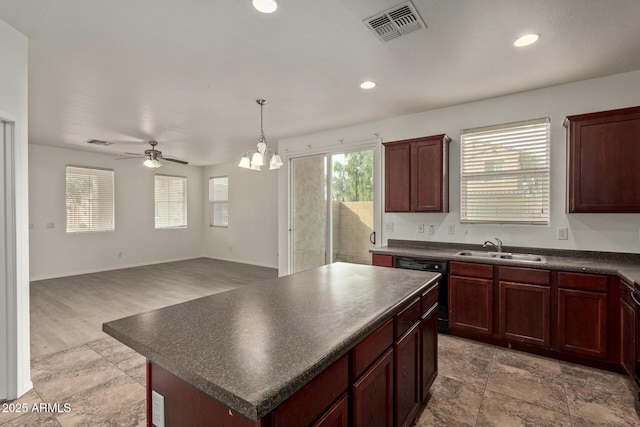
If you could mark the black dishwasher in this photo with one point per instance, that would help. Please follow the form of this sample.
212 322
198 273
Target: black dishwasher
443 286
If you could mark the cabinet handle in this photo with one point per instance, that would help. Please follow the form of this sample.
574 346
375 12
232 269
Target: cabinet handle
372 238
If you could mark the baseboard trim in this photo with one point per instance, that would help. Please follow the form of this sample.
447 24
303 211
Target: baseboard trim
240 261
118 267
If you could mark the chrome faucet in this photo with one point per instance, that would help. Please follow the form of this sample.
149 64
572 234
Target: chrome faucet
490 243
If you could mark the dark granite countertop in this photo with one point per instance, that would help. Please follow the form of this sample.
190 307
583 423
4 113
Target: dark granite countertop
253 347
626 266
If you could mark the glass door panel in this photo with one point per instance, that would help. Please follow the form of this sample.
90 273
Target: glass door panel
332 209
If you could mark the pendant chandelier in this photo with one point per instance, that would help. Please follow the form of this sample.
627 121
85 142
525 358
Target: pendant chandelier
262 155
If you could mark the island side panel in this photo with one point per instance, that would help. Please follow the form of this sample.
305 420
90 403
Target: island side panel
184 405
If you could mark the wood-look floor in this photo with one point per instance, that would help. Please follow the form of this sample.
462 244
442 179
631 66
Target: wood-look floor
69 311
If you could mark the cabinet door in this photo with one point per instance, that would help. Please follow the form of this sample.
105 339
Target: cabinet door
428 351
524 313
336 416
471 305
603 154
407 376
429 180
373 395
582 322
397 185
382 260
627 337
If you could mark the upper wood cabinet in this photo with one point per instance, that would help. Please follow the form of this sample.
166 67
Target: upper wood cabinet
417 174
603 154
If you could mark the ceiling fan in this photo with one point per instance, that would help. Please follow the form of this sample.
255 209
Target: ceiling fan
153 157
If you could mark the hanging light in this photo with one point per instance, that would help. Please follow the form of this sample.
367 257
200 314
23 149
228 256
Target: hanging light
265 6
262 155
152 163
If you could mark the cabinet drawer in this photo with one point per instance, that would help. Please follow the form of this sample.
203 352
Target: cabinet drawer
368 350
482 271
407 317
582 281
524 275
428 298
313 399
382 260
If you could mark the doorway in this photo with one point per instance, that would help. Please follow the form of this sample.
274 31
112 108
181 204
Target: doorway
333 211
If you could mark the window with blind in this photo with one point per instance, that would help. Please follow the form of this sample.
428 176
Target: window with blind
89 199
219 201
505 173
171 201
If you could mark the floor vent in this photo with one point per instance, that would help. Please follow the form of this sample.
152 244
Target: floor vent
395 22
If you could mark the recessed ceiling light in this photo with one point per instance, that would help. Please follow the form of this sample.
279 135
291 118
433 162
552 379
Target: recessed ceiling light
368 85
526 40
265 6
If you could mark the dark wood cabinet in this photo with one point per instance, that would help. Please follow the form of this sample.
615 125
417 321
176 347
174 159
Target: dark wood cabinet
582 314
336 416
603 153
417 174
407 376
382 260
373 394
471 298
429 358
397 177
627 330
524 308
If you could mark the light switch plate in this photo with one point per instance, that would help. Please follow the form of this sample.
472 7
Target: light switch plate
157 409
563 234
451 229
431 230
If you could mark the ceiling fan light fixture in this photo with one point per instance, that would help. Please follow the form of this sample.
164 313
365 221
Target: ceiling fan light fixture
265 6
367 84
152 163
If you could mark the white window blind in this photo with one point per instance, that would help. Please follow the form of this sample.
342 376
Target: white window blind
89 199
219 201
171 201
505 173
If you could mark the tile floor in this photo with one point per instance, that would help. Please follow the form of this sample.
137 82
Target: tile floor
477 385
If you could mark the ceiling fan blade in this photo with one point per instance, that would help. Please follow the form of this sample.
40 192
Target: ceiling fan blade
135 154
130 157
169 159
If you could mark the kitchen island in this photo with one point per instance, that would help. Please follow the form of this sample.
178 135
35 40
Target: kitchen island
338 341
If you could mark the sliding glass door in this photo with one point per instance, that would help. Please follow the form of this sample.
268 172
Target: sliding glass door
332 209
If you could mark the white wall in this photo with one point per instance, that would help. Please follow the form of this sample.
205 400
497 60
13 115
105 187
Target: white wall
14 291
55 253
252 235
602 232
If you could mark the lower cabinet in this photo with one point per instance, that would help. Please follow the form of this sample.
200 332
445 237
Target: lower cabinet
582 314
471 297
524 309
373 394
336 416
428 341
382 260
627 330
407 376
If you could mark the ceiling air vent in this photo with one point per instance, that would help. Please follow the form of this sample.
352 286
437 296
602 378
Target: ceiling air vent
98 142
395 22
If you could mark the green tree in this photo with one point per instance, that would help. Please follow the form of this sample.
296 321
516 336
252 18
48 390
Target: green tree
353 180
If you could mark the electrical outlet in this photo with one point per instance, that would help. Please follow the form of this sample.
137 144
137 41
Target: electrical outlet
431 230
563 234
420 228
451 229
157 409
119 254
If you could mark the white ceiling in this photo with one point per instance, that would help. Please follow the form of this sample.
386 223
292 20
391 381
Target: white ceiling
188 72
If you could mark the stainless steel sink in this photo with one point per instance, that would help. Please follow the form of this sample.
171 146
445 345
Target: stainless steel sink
504 256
